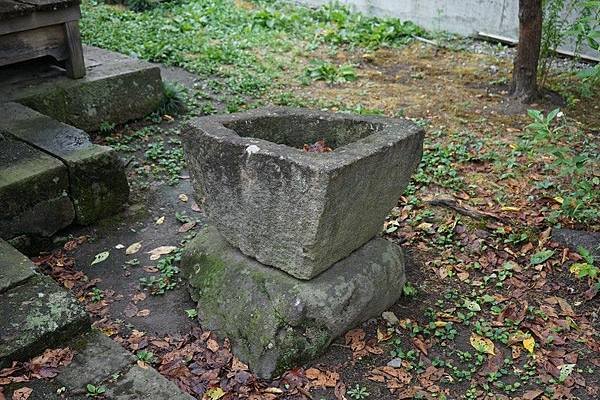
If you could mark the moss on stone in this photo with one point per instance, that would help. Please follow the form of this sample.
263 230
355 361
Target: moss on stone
300 345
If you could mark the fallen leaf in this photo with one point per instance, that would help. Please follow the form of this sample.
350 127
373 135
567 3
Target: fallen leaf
482 344
139 296
237 365
160 221
212 345
156 253
340 391
186 227
532 394
22 394
130 310
119 246
143 313
195 207
213 394
382 336
529 344
541 257
273 390
420 344
183 197
100 257
322 379
134 248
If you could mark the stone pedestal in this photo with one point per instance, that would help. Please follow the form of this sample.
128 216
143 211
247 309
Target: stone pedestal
293 260
275 321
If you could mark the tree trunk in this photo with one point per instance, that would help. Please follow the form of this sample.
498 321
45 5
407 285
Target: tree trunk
524 84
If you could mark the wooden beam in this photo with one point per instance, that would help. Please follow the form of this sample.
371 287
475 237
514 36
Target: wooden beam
75 64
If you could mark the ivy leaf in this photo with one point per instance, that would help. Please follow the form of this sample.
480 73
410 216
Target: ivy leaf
565 371
100 257
541 256
472 306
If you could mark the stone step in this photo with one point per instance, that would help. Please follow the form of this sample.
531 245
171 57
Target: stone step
115 89
33 191
15 268
97 182
36 315
35 312
100 361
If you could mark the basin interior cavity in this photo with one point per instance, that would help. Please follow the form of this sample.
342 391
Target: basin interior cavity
298 130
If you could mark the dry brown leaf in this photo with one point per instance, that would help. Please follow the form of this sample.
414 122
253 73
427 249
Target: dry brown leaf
143 313
186 227
22 394
322 379
212 345
532 394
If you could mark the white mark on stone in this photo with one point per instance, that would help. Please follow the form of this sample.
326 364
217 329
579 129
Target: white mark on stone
252 149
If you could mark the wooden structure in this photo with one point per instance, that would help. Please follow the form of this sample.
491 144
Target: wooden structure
34 28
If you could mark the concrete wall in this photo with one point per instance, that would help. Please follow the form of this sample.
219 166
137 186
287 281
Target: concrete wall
464 17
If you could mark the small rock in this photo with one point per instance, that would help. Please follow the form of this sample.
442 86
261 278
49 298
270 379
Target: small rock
395 363
390 317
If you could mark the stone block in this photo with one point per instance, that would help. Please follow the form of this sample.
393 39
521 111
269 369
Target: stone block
97 358
33 191
145 383
97 182
115 89
15 268
37 315
275 321
294 210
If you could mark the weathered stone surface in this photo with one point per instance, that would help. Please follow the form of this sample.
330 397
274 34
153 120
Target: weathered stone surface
294 210
97 182
97 358
574 238
15 268
139 383
35 316
116 89
33 191
276 321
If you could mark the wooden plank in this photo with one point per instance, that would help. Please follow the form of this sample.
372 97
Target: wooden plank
39 19
74 64
22 46
11 9
48 5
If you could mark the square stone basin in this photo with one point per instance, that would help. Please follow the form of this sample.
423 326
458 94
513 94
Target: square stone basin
295 210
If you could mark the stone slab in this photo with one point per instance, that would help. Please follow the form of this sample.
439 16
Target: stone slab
115 89
42 390
33 191
145 383
294 210
97 182
35 316
15 268
276 321
575 238
97 358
